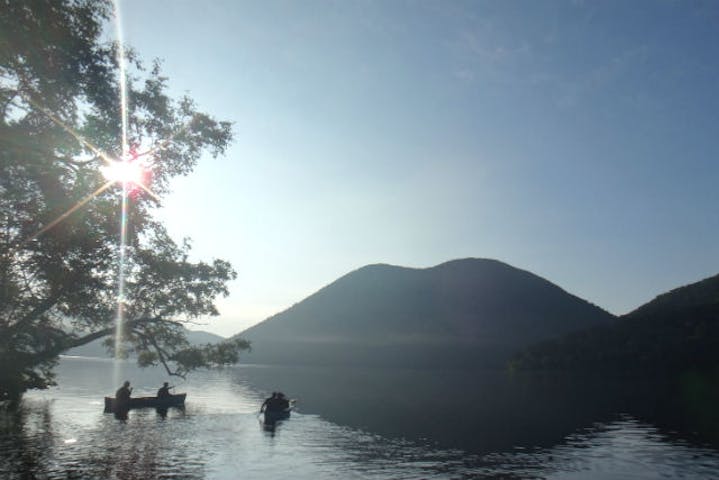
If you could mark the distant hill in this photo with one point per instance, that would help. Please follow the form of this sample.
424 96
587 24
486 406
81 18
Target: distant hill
677 330
97 349
700 294
470 312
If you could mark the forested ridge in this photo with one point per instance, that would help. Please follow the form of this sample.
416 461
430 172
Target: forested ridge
678 330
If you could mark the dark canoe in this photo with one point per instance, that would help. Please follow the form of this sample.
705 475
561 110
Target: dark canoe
147 402
273 416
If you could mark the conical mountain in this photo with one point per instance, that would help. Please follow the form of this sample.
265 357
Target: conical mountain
463 312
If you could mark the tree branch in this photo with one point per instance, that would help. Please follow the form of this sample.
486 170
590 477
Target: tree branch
161 354
77 341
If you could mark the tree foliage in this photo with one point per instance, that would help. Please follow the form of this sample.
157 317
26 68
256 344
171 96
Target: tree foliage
59 110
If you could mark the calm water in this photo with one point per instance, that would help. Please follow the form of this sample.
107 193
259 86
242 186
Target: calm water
344 429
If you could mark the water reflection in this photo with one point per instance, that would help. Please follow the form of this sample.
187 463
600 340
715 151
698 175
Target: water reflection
491 411
347 427
121 414
269 428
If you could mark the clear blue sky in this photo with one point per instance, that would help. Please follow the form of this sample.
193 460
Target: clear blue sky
577 140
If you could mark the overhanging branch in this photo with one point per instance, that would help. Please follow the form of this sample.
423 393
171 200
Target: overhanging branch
77 341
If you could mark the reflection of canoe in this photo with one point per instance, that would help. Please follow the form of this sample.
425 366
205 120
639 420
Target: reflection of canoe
273 416
147 402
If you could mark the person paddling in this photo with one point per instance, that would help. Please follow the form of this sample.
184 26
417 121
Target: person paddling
283 403
123 393
122 400
164 391
270 403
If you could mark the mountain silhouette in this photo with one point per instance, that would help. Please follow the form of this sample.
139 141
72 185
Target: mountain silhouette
678 330
469 312
704 293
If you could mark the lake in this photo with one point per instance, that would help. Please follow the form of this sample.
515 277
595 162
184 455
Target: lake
362 423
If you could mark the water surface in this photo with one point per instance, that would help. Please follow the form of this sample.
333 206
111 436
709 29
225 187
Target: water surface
62 432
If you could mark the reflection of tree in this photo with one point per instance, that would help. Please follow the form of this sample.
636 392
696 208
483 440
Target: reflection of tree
32 446
25 439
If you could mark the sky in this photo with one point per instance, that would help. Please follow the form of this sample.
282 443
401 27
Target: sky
576 140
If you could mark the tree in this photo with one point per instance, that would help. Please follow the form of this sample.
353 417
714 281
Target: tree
60 124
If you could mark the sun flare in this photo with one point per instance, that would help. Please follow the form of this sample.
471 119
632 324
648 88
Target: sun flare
125 172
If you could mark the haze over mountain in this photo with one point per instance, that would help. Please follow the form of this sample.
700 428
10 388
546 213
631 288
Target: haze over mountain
678 330
470 312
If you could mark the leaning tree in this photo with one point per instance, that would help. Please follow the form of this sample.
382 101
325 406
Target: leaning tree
61 218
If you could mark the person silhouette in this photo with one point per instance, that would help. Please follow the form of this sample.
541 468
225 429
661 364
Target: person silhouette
122 395
122 400
269 403
164 391
283 403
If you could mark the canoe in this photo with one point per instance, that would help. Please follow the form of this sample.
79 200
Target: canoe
273 416
148 402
